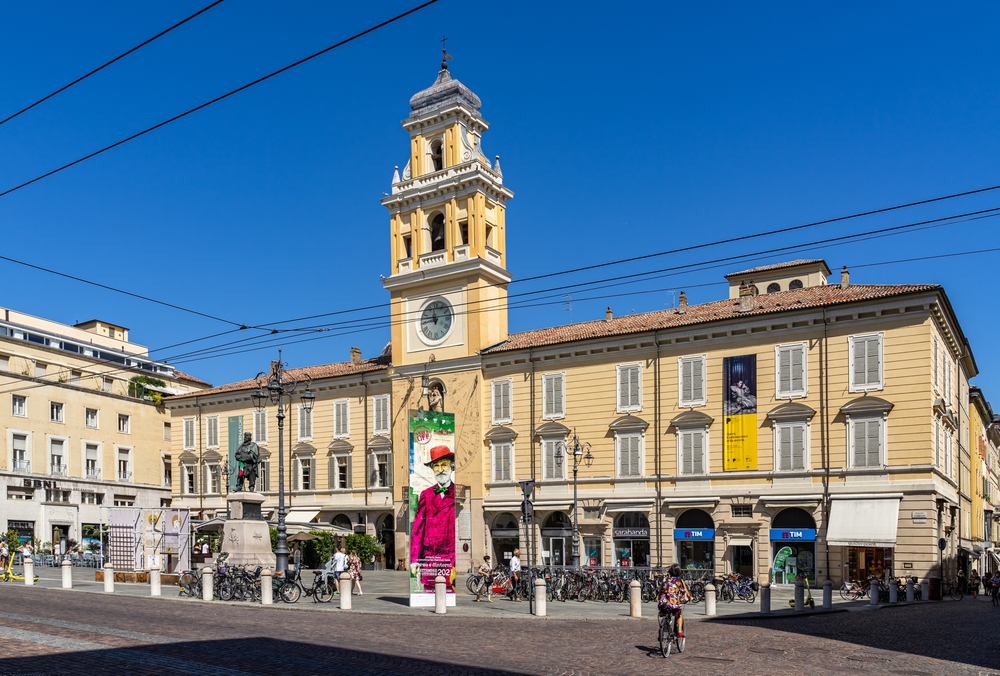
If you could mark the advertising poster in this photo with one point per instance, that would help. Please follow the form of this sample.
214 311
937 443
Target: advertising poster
739 427
432 504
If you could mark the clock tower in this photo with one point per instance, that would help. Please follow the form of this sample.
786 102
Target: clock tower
447 221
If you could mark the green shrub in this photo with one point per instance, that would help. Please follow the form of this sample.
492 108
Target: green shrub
366 547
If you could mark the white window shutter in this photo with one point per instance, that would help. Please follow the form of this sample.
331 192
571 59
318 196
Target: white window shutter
785 447
797 369
784 370
874 442
497 401
559 404
506 388
698 453
858 358
623 387
872 361
698 380
687 450
935 366
798 447
859 438
687 381
634 395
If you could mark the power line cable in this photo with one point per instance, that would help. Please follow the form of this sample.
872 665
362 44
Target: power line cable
218 98
105 65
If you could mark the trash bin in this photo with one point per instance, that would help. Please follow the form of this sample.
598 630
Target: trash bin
934 589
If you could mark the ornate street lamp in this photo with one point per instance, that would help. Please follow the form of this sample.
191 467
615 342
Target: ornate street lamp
274 388
581 453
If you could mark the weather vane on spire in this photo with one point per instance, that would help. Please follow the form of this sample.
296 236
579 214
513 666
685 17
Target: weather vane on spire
445 56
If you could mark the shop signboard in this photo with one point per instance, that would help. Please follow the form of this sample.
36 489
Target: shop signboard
739 408
793 534
641 533
694 533
431 504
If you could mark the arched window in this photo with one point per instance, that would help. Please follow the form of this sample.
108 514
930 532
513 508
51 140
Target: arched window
342 521
437 233
793 517
795 284
505 521
695 518
632 520
773 287
557 520
436 156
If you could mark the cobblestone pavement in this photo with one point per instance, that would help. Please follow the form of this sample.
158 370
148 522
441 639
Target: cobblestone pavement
48 631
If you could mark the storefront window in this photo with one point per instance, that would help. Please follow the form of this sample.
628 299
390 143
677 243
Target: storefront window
793 547
631 538
865 562
695 538
505 538
591 555
557 533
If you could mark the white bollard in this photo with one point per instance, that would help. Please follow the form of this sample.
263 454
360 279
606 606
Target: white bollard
67 574
346 591
440 596
800 596
29 573
109 578
710 600
925 589
155 588
765 598
207 589
828 595
873 592
635 599
266 590
894 591
909 590
540 597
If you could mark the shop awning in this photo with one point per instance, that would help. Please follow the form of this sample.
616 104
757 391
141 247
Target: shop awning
863 523
301 515
995 557
740 542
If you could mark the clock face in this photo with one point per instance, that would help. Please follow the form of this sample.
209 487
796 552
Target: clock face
435 320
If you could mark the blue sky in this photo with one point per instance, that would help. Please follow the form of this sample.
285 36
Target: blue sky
624 128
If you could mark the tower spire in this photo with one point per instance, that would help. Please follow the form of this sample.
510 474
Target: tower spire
445 56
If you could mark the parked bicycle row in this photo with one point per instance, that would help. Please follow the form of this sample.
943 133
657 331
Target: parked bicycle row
243 583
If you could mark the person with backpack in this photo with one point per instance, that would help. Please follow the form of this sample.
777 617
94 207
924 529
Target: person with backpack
673 594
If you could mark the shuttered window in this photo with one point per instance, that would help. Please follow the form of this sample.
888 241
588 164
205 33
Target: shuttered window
260 427
629 455
866 362
380 413
305 474
790 368
212 431
937 442
502 462
934 365
552 468
692 451
866 442
691 378
340 471
629 388
553 396
305 424
791 442
188 434
501 402
341 419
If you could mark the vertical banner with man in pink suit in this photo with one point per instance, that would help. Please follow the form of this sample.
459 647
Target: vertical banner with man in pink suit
432 504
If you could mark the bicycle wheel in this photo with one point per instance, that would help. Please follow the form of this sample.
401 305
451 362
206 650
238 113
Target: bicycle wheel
751 597
664 636
955 594
324 592
226 591
472 583
289 592
187 583
845 592
680 641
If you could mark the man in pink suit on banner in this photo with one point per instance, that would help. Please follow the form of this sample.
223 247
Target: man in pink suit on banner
432 541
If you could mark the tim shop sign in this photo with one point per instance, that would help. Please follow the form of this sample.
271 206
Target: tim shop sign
793 534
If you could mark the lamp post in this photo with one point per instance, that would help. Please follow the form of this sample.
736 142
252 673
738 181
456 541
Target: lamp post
274 388
579 456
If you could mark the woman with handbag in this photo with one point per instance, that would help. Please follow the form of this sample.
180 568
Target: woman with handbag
354 568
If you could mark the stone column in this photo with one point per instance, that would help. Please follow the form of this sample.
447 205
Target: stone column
440 596
894 591
109 578
266 590
909 590
207 588
925 590
635 599
800 596
29 573
873 592
67 574
710 600
540 597
346 590
828 595
765 598
155 589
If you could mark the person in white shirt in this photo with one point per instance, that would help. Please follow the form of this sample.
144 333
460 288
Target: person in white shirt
339 565
515 574
204 548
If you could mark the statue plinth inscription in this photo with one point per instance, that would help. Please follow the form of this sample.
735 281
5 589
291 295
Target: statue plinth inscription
245 536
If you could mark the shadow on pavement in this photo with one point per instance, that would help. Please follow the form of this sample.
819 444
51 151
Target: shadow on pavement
399 600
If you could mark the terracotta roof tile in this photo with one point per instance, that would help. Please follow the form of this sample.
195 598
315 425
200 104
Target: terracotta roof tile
778 266
812 297
180 375
344 368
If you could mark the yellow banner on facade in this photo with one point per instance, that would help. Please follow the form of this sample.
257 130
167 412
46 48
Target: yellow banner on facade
740 442
739 408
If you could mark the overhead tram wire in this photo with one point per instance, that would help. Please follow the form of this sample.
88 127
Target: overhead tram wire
108 63
218 98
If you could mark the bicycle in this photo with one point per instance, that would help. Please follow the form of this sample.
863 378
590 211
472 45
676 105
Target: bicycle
668 635
953 591
291 589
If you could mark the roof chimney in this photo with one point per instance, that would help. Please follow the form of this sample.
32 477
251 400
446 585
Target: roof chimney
682 304
746 296
845 278
608 316
355 355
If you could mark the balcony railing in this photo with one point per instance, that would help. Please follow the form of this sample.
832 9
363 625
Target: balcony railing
433 259
22 466
58 470
125 476
93 472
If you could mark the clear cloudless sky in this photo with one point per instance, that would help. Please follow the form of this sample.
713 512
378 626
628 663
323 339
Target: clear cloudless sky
624 128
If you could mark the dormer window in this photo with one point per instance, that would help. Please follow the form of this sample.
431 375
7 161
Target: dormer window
437 159
795 284
437 233
773 287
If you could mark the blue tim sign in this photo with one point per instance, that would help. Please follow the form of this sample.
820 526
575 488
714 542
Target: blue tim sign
694 533
793 534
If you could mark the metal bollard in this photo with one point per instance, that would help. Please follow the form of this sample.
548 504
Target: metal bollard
155 588
266 588
29 573
109 578
765 598
894 591
925 590
440 596
909 590
634 599
67 574
800 596
828 595
540 597
873 591
346 591
207 589
710 600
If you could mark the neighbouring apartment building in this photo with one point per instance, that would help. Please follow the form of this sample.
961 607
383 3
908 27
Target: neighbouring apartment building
79 433
798 427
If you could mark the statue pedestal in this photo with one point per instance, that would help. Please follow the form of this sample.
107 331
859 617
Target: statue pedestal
245 535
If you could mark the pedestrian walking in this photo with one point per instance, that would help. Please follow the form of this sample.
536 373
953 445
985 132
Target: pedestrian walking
995 587
339 564
974 580
354 568
26 552
486 570
515 575
962 582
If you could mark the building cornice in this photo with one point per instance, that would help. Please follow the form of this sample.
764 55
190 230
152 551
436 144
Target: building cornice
489 271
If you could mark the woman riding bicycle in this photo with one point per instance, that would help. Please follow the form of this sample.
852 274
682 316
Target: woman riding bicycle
674 593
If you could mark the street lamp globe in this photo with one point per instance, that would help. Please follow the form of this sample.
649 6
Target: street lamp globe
308 399
259 399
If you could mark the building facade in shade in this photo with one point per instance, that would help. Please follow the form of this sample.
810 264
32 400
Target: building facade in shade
800 427
79 434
